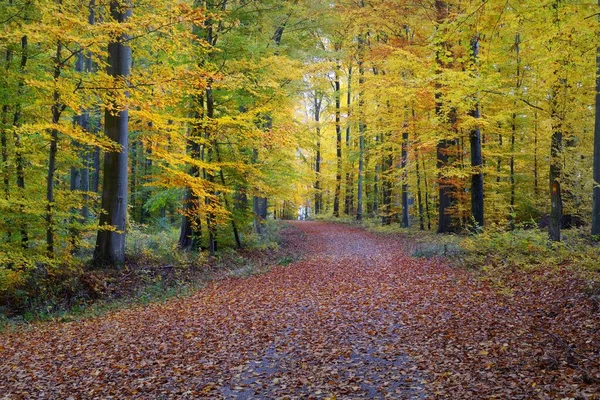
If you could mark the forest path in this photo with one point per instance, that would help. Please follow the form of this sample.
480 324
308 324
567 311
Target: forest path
355 318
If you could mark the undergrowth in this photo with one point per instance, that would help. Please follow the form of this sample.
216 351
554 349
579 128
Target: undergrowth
155 271
495 252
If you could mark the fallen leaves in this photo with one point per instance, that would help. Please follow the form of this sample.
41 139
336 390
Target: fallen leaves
356 318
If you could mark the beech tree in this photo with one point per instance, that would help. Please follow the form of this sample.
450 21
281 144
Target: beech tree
110 243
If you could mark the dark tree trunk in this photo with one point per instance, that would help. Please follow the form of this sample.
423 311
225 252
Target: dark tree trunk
596 192
110 243
556 168
4 137
535 156
338 142
211 200
260 207
427 212
404 162
514 132
318 190
476 157
444 145
236 234
349 190
18 151
388 164
361 130
419 194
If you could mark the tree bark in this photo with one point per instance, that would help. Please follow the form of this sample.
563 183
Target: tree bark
349 189
596 192
556 168
110 242
477 191
404 162
338 142
361 130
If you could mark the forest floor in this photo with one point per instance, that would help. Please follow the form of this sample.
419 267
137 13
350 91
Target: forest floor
355 317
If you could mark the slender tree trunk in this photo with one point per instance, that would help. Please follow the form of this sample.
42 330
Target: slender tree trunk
4 137
19 162
596 191
338 141
236 234
419 194
427 211
110 243
514 132
211 201
443 146
57 109
535 156
190 237
349 198
556 167
318 190
476 156
404 162
361 130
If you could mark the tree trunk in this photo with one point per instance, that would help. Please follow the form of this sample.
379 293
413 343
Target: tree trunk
419 194
556 168
596 192
318 189
338 142
4 137
349 190
427 212
404 162
444 145
18 154
476 156
110 242
361 130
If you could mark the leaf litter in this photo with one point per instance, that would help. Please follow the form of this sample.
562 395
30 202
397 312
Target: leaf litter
355 318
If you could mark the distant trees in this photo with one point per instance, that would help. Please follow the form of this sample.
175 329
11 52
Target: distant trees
496 99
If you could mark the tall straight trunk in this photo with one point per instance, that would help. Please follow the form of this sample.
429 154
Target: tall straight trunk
349 190
211 200
190 237
4 137
404 162
476 155
427 212
499 160
535 156
318 190
20 169
514 132
57 109
338 141
445 191
556 166
387 174
419 194
110 243
443 146
596 192
361 129
236 234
